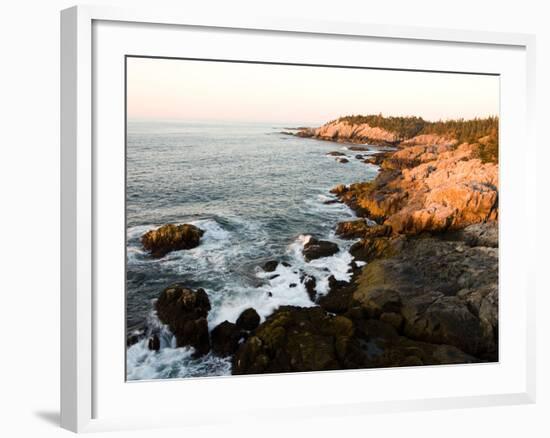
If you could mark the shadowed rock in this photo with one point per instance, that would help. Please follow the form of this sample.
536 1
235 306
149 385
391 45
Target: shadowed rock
185 312
445 292
225 338
299 339
316 249
248 319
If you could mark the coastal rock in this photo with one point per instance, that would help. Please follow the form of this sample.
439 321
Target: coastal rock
316 249
340 189
185 312
482 234
153 343
270 266
299 339
248 319
336 154
225 338
341 130
433 188
360 228
310 283
171 237
446 293
342 160
384 347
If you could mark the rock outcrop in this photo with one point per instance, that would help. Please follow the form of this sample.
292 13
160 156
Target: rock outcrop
299 339
171 237
316 249
428 188
352 133
184 311
443 292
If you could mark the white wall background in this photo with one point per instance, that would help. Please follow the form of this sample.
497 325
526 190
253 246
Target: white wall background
29 215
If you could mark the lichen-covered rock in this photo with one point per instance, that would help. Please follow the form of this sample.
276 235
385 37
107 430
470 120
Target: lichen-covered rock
171 237
299 339
316 249
184 311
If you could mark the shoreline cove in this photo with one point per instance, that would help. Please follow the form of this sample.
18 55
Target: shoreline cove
406 273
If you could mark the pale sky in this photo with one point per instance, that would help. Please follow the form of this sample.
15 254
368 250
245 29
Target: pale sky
173 89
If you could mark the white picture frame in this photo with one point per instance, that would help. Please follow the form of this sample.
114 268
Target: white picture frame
81 374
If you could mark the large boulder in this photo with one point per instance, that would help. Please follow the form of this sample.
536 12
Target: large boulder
171 237
299 339
316 249
248 319
185 311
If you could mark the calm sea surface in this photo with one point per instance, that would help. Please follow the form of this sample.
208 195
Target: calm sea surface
257 193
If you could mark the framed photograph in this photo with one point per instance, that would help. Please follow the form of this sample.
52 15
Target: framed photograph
257 208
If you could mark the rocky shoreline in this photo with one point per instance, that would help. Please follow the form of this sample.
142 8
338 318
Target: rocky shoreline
424 283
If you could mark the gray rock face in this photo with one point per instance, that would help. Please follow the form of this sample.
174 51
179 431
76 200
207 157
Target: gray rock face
445 291
482 234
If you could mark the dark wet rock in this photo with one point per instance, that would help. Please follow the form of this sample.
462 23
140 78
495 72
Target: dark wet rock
316 249
384 347
153 343
358 148
299 339
292 285
248 319
171 237
336 154
270 266
446 292
393 319
342 160
272 277
135 336
359 157
225 338
184 311
331 201
310 283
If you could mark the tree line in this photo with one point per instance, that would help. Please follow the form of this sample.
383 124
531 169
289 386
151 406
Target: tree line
480 131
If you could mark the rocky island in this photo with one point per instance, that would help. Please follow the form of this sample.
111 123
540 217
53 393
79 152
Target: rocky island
424 280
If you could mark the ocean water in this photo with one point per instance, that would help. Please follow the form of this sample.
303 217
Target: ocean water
258 194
